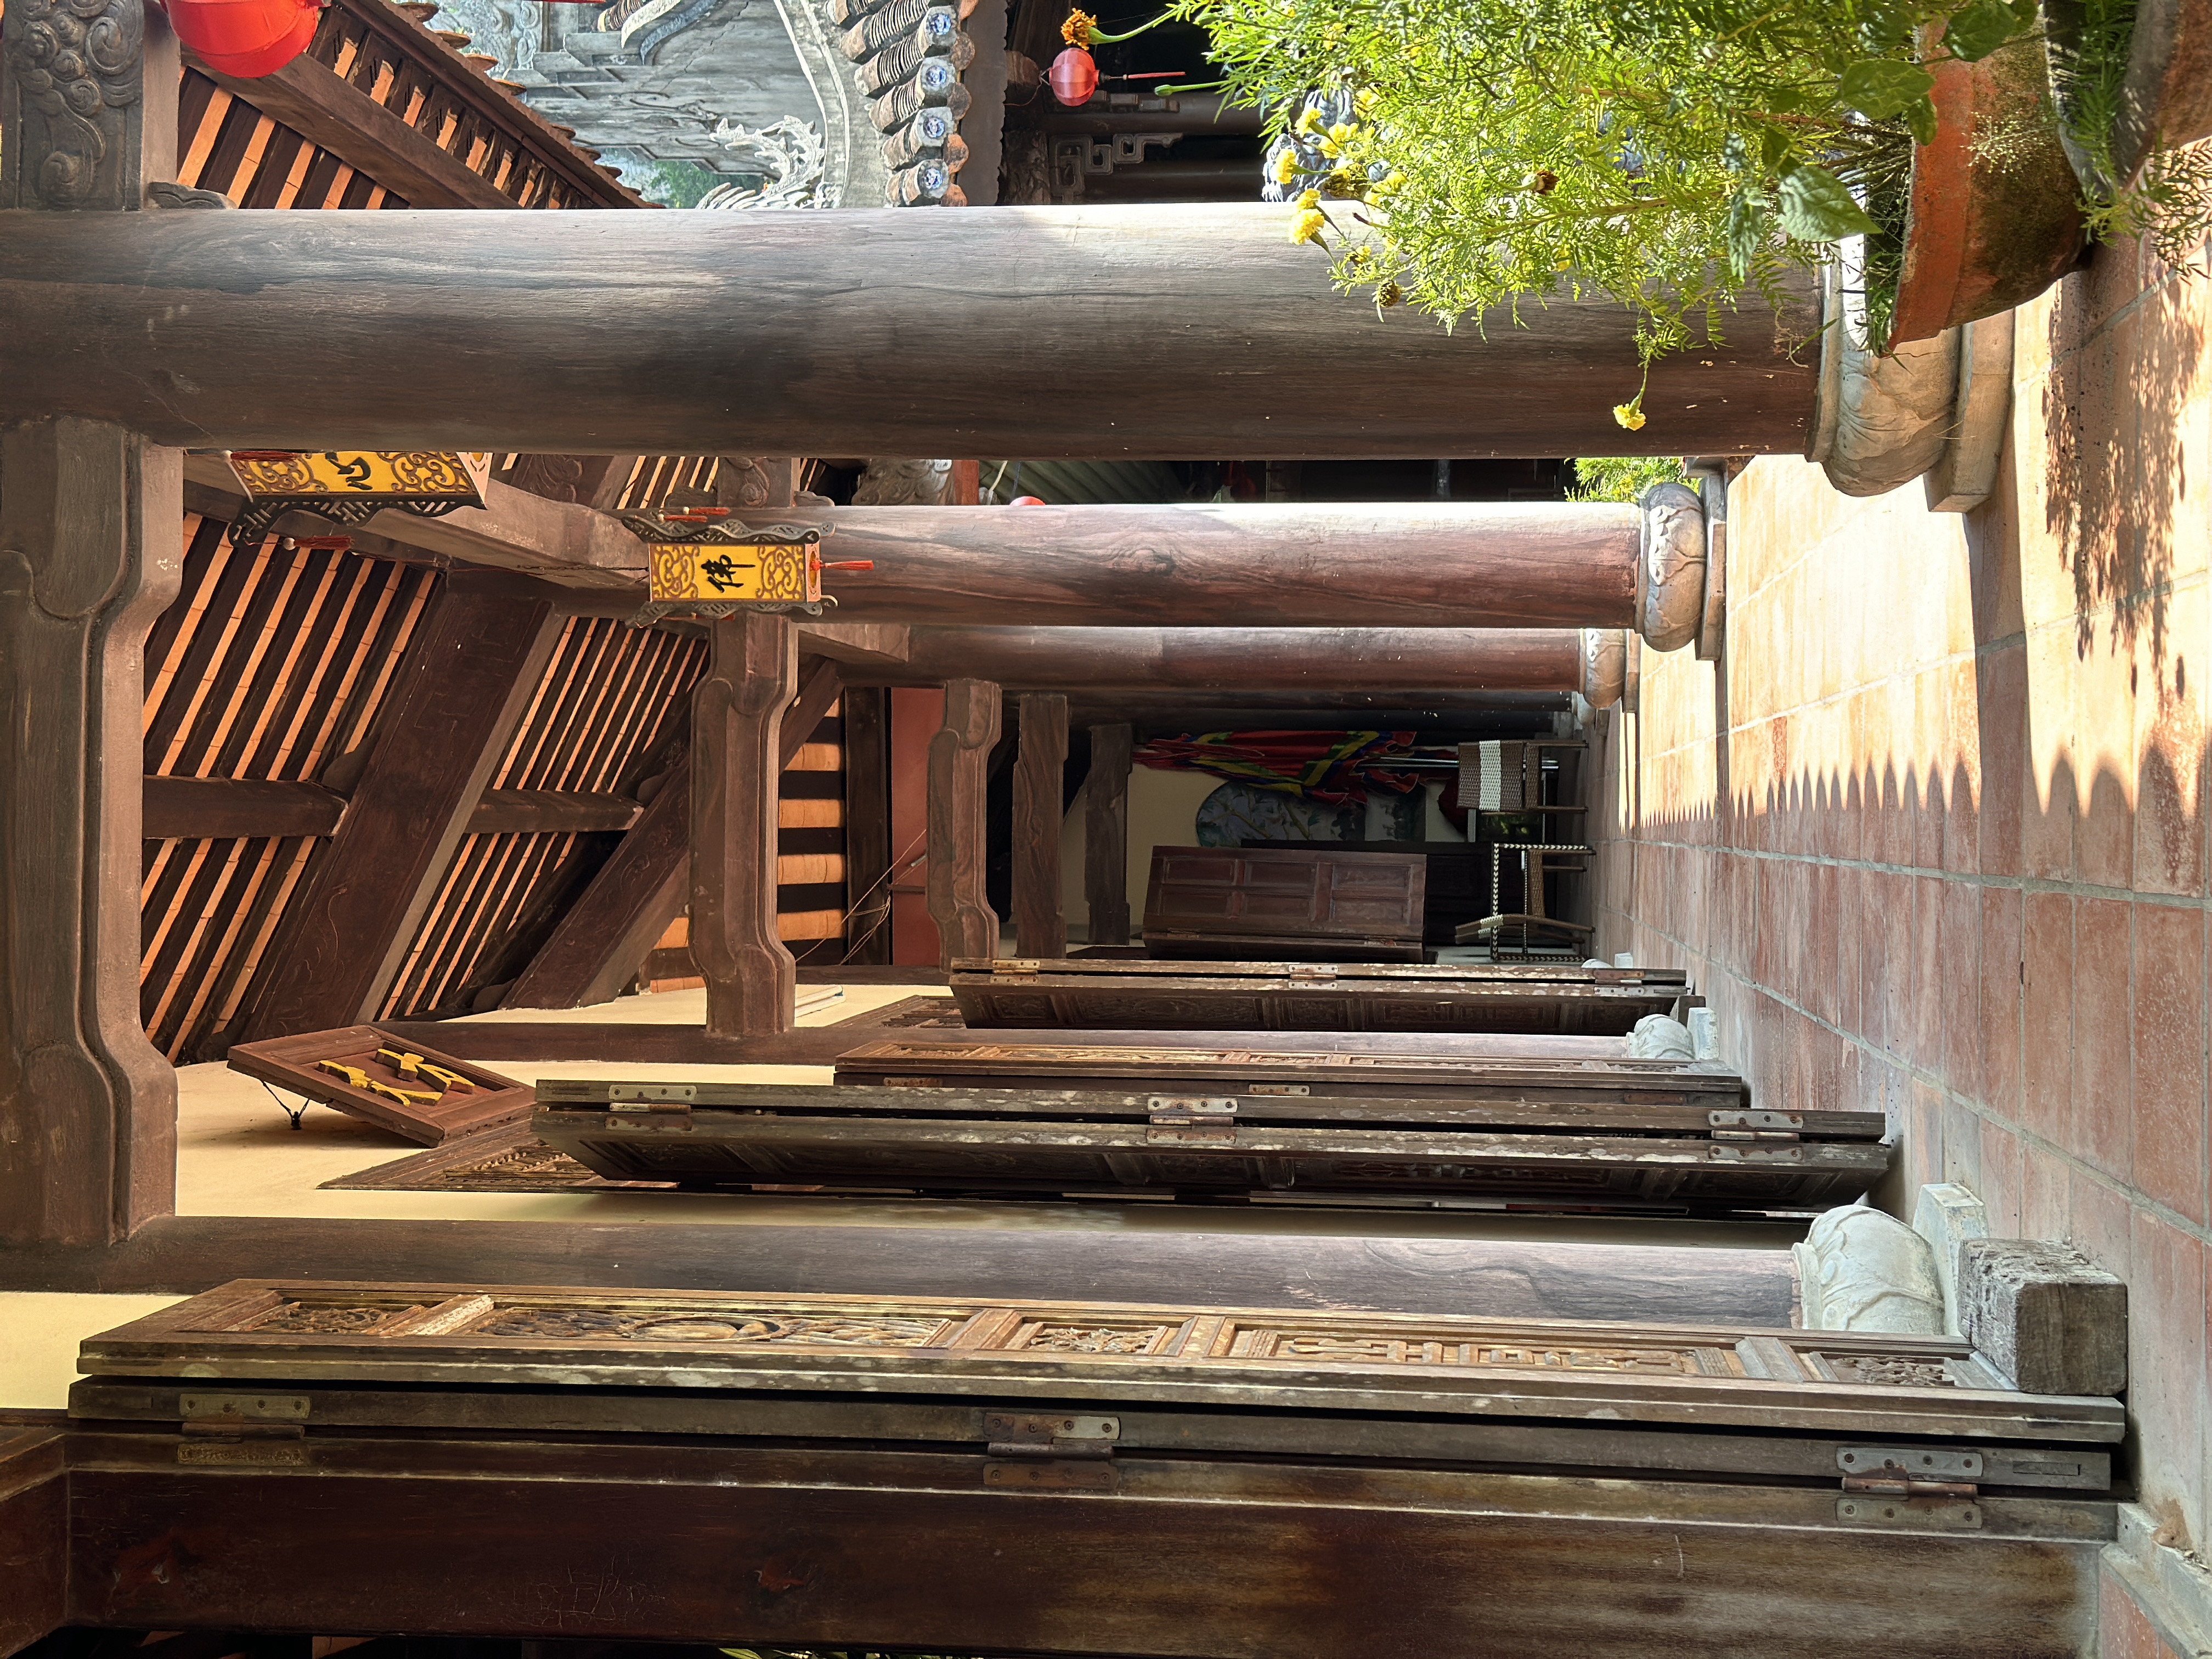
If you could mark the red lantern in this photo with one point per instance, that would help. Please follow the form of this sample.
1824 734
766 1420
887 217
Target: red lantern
1027 501
1073 77
245 38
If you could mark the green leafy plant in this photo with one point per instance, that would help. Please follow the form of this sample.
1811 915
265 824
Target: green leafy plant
1466 156
2169 202
1622 478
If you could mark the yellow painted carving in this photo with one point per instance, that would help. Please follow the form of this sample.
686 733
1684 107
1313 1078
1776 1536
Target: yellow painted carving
413 474
763 572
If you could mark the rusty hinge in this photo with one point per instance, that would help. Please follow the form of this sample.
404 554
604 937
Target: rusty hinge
1312 970
258 1430
1050 1452
651 1105
1918 1486
1745 1125
1723 1151
1277 1089
1016 965
1192 1119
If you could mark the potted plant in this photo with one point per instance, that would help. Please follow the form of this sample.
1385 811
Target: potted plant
2133 83
1467 157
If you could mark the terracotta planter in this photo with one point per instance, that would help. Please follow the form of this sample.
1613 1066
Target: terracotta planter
1980 237
2167 98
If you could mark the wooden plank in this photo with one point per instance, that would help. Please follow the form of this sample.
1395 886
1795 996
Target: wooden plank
805 1557
1242 660
864 647
467 681
959 760
1040 767
1288 996
1739 1272
868 826
736 722
1106 834
90 515
1301 903
191 809
538 332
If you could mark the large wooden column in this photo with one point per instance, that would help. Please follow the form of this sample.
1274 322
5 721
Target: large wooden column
90 554
737 725
1039 765
466 683
959 768
1106 834
1199 331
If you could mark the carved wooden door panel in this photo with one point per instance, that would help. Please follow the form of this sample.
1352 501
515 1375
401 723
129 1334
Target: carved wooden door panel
978 1474
1300 903
1637 1155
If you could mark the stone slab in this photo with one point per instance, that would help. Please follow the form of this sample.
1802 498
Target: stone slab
1947 1214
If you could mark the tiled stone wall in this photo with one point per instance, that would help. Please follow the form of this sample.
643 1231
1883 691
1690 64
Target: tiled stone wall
1934 837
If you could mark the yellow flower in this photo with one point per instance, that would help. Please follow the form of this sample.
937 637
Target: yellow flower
1310 199
1308 226
1308 123
1330 147
1076 31
1286 167
1359 258
1362 100
1345 182
1393 180
1388 294
1341 133
1630 414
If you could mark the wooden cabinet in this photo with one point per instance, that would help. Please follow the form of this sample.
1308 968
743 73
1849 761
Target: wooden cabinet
1265 1144
1264 996
1287 903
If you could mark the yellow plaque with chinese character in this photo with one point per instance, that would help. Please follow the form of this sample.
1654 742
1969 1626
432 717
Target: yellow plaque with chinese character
389 475
736 572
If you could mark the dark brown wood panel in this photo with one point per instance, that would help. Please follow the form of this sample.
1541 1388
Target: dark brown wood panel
195 809
538 332
1106 834
868 826
34 1526
420 1093
1302 904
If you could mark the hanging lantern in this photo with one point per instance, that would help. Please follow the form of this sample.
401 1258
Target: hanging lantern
247 39
1027 501
1073 77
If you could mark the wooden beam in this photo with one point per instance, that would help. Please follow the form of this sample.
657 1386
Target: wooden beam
867 825
737 723
1040 767
864 645
1727 1273
466 682
871 332
550 812
1106 834
820 689
959 769
594 949
1333 659
329 113
192 809
89 516
34 1526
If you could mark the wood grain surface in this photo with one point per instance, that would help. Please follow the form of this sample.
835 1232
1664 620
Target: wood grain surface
1240 659
1458 565
865 332
1106 834
959 763
1040 929
736 729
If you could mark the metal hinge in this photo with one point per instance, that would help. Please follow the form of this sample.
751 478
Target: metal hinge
662 1105
1050 1452
1722 1151
1192 1119
1910 1486
256 1430
1745 1125
1312 970
1286 1089
1014 966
